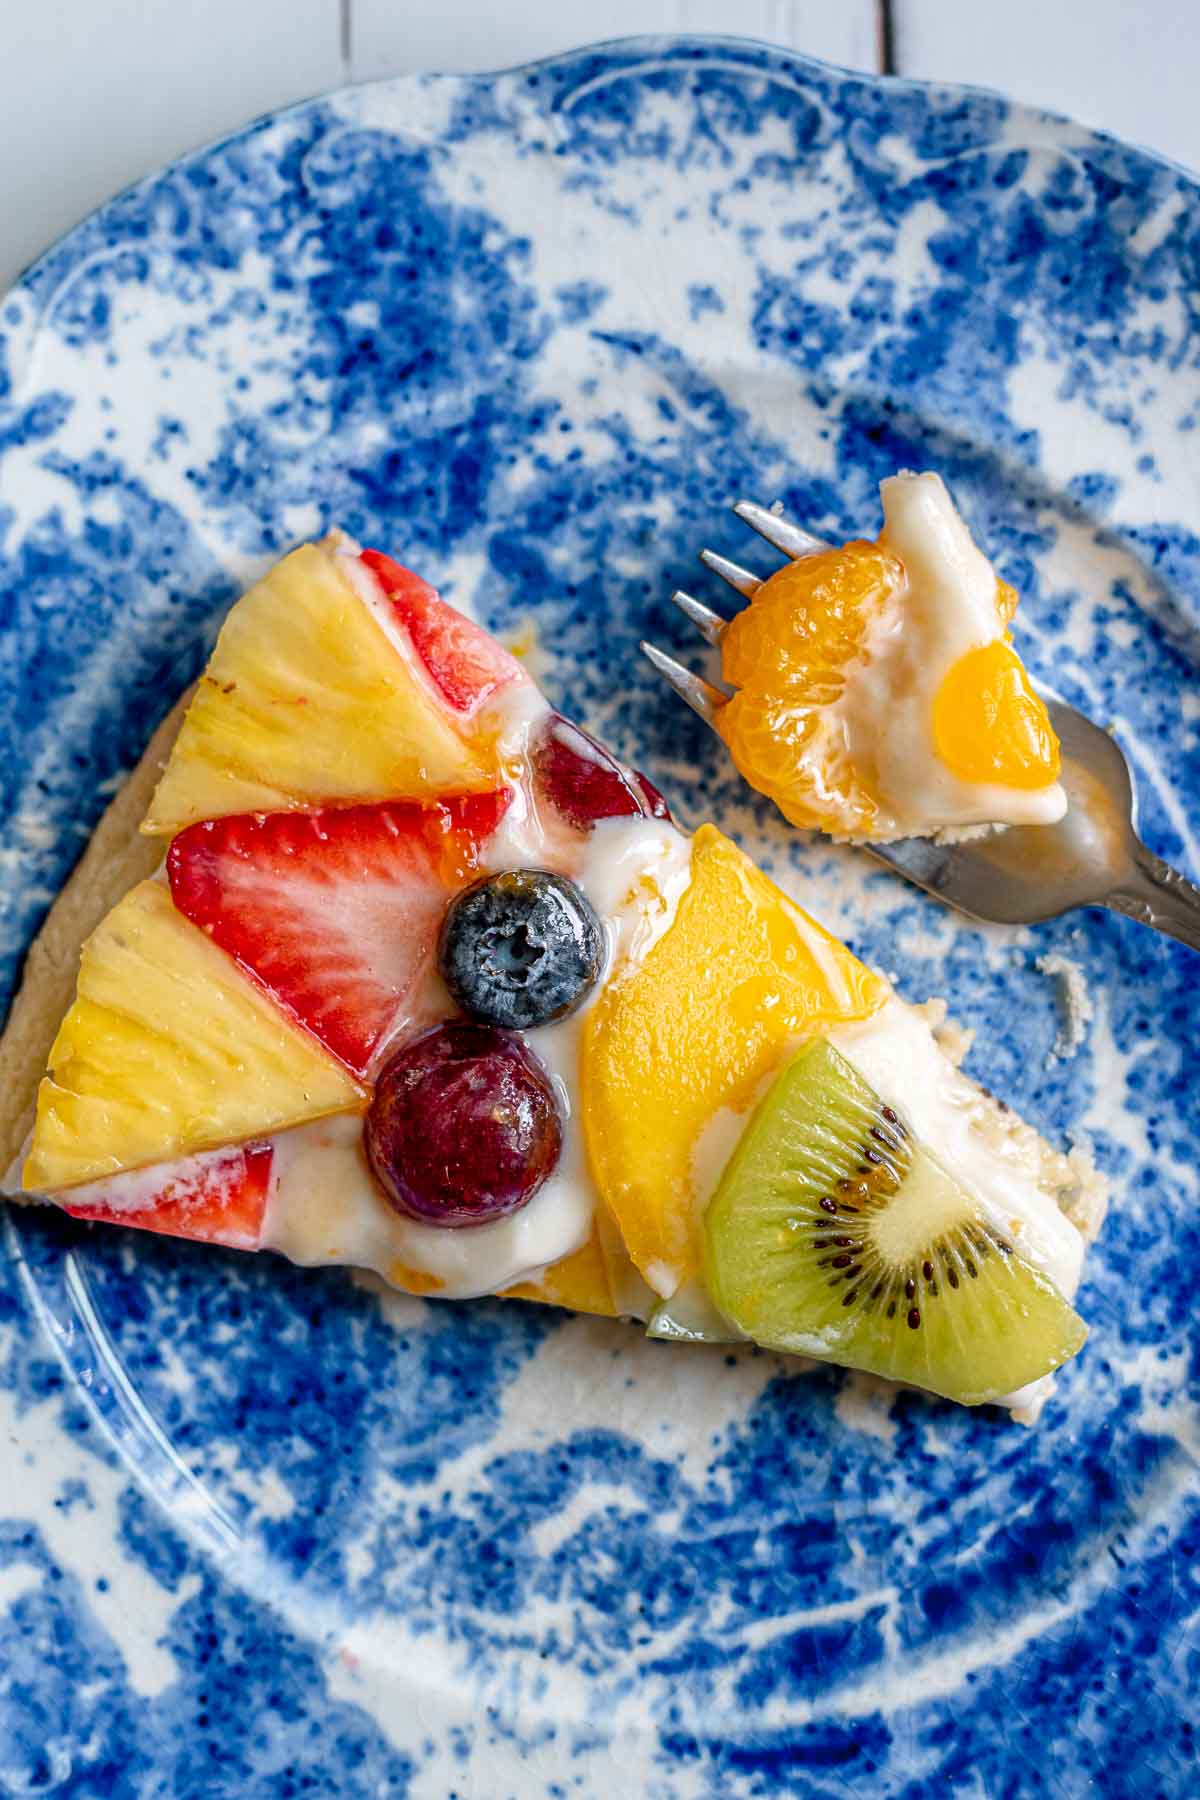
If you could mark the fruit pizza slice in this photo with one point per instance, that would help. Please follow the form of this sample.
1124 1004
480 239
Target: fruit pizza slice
405 971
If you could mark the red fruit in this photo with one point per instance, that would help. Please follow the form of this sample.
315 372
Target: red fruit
336 913
653 801
463 1126
467 664
585 782
220 1197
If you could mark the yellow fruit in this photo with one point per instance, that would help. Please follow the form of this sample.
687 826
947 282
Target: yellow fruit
579 1282
169 1049
739 978
989 725
306 700
788 654
415 1281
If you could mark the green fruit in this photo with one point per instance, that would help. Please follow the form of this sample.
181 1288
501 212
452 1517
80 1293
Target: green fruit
689 1317
833 1235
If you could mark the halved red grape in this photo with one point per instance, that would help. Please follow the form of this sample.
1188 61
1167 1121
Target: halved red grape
653 802
463 1127
585 782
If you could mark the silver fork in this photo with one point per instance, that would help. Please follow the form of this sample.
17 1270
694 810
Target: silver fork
1027 873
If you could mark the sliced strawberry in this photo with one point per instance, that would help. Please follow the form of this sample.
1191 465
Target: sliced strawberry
584 782
336 912
467 664
220 1197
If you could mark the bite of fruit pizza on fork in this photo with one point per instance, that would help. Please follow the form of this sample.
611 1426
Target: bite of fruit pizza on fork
874 693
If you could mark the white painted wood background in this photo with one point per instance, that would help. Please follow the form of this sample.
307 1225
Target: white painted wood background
95 93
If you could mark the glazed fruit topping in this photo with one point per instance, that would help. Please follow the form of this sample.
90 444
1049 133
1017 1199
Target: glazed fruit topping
168 1051
989 724
520 949
334 912
694 1027
653 803
463 1127
220 1197
834 1234
584 782
306 701
465 662
787 654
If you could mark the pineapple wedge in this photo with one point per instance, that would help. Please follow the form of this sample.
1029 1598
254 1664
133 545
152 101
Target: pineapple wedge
169 1049
306 700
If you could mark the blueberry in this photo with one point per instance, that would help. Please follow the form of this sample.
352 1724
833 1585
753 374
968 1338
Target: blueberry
520 949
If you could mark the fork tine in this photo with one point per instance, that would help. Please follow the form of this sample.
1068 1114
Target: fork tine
708 623
739 579
704 699
793 540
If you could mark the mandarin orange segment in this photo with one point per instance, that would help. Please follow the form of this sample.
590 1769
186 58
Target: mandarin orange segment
990 726
788 655
739 978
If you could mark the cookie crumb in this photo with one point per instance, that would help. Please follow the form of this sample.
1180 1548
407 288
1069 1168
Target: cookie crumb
1075 1008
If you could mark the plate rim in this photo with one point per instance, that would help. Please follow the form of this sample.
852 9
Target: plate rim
675 42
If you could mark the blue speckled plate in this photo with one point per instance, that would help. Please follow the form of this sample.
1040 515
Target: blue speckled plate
268 1533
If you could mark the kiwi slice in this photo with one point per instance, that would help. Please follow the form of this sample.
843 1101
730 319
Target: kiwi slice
833 1235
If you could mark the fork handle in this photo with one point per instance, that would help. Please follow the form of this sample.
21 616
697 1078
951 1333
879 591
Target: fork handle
1157 895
